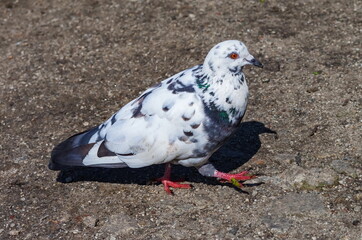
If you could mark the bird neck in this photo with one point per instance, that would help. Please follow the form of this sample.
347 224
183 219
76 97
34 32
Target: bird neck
226 94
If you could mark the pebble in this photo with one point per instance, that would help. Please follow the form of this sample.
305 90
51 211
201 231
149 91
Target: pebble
357 209
90 221
75 231
65 217
358 196
192 16
254 193
14 232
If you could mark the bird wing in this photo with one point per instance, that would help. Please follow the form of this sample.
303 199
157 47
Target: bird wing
163 124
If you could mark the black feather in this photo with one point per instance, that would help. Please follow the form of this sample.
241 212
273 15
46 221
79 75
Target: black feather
72 151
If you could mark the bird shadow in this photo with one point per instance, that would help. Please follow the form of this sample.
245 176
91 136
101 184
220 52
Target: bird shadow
239 149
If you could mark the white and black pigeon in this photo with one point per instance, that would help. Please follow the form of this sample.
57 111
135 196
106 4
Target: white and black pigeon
182 120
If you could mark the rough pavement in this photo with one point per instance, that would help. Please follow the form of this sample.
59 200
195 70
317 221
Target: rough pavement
68 65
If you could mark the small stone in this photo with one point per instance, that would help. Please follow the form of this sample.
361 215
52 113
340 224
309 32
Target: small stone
65 217
358 196
298 159
356 222
90 221
312 89
259 162
254 193
21 159
14 232
234 230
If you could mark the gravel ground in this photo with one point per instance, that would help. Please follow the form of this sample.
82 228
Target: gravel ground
68 65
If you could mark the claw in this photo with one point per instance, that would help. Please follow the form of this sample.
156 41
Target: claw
167 183
234 178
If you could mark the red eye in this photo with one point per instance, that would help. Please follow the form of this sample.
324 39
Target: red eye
234 56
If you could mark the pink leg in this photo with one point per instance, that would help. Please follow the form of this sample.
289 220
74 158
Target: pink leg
167 183
233 177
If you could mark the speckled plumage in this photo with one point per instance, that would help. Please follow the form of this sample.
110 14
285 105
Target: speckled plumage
182 120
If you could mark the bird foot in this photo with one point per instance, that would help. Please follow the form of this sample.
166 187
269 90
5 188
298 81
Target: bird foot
234 178
167 183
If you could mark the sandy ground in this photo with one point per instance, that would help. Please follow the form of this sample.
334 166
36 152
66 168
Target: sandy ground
68 65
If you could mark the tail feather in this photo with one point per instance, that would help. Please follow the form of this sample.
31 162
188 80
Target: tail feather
62 158
78 150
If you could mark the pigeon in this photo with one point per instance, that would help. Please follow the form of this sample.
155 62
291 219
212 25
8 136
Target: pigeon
182 120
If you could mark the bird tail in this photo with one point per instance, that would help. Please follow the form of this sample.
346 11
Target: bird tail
72 151
83 149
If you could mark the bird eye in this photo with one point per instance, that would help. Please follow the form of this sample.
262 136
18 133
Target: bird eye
234 56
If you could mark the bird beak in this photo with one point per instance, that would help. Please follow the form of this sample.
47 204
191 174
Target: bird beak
255 62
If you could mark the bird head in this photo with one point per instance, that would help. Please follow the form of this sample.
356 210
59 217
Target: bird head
229 57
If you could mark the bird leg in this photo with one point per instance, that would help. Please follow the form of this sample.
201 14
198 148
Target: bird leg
167 183
208 170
